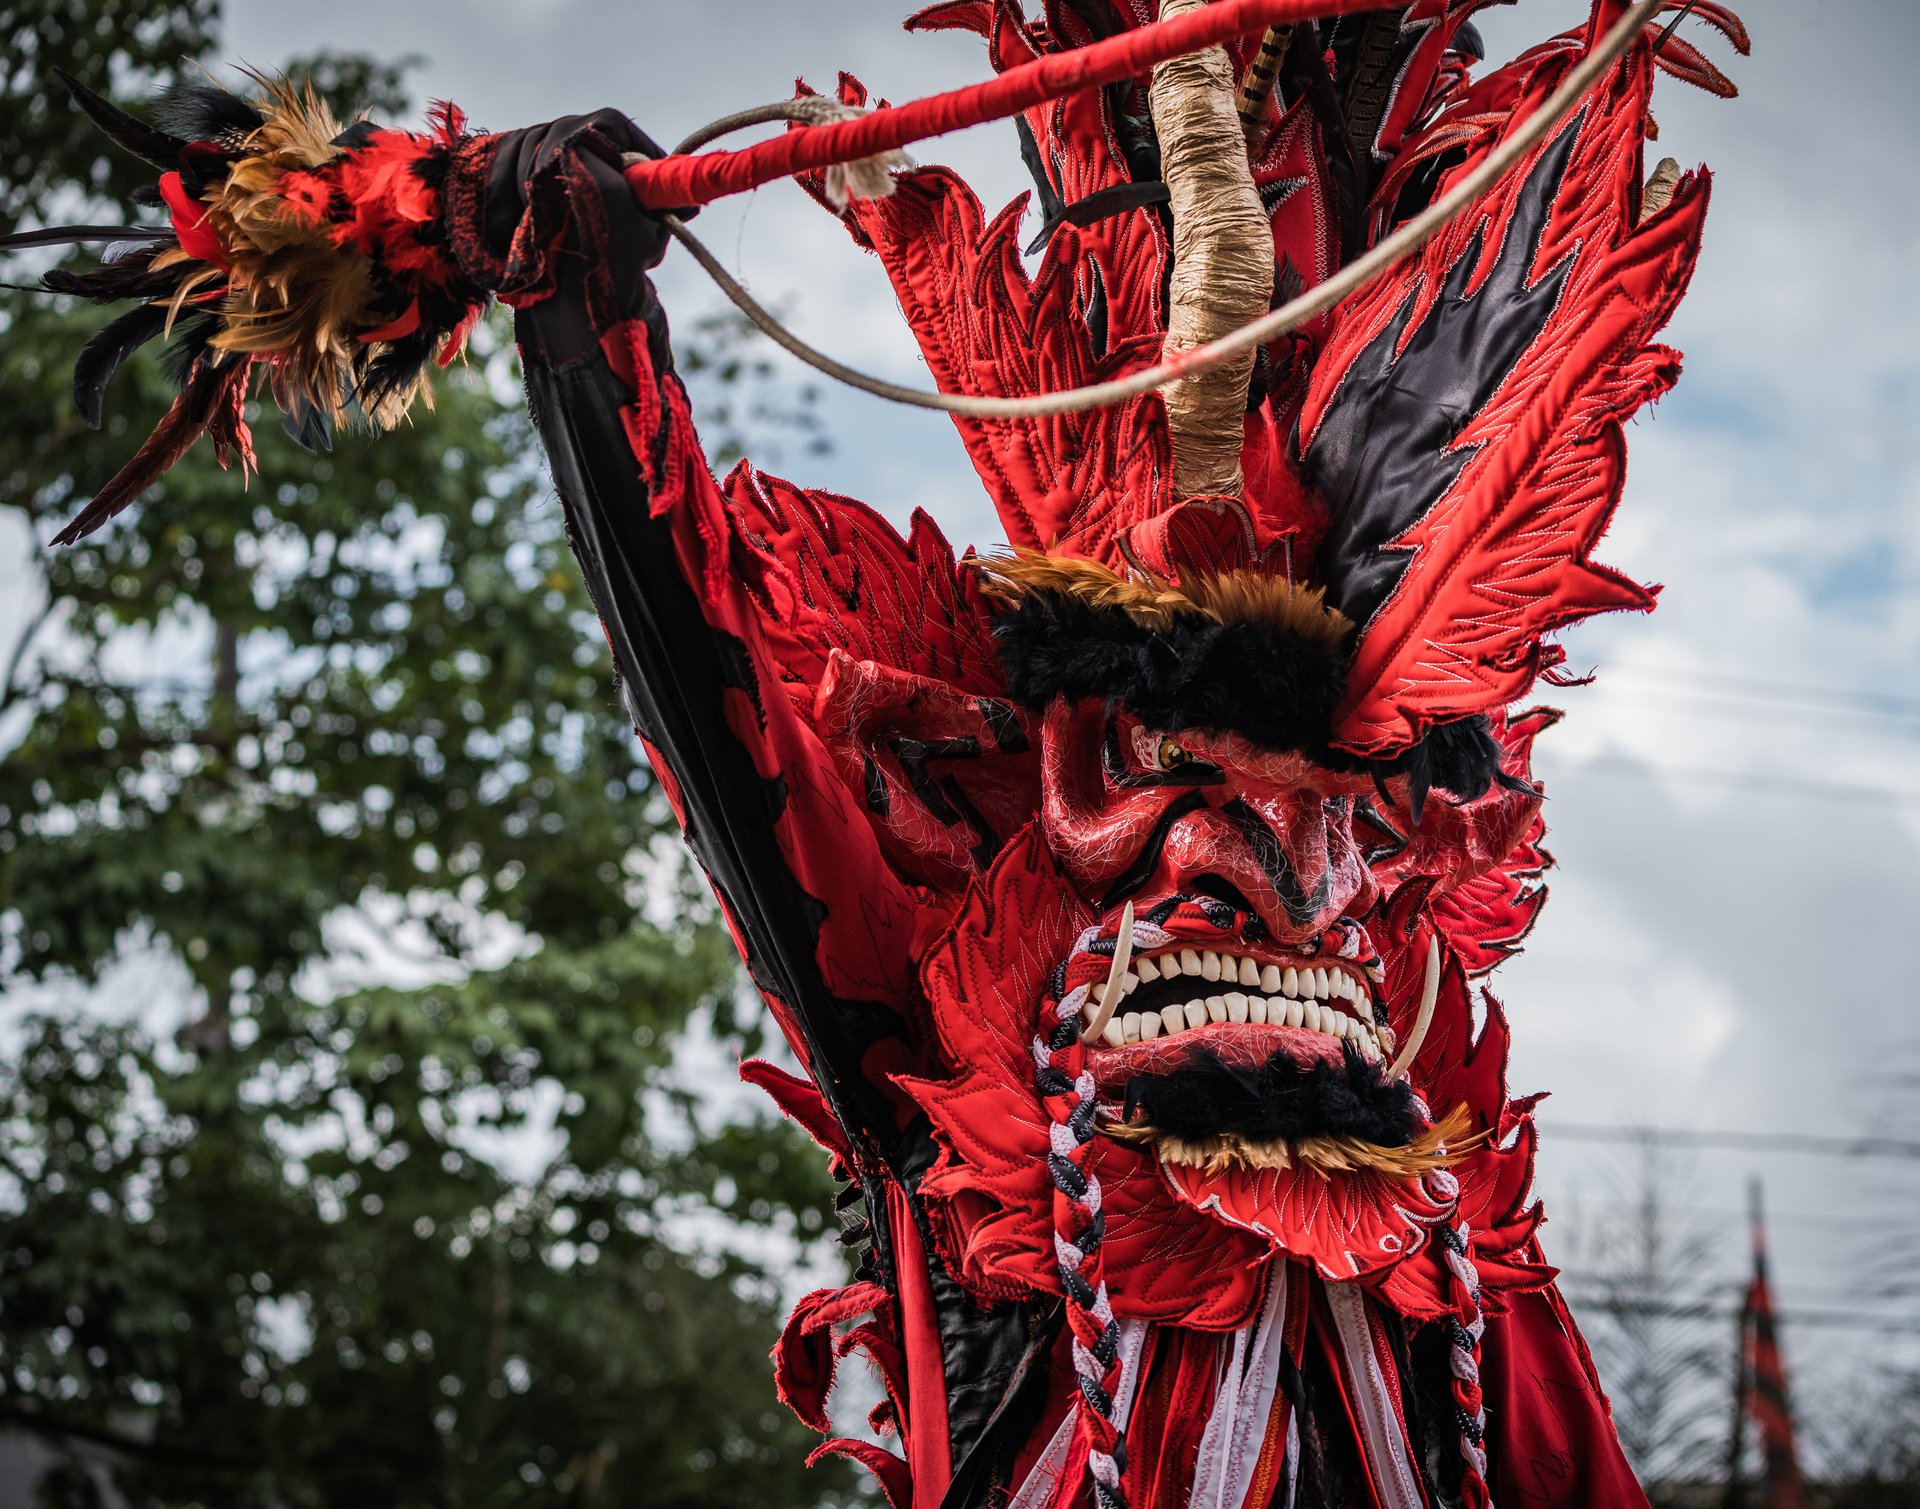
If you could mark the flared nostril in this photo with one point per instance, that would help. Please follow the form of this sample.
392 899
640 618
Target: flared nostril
1216 888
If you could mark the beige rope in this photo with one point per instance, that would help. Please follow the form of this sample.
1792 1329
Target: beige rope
1314 302
1222 259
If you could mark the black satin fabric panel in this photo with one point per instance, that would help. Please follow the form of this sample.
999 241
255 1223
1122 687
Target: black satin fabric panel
1384 452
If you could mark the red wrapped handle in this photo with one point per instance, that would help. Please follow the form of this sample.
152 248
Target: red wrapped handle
671 183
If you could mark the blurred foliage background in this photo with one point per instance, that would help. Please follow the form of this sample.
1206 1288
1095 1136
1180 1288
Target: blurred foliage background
354 1147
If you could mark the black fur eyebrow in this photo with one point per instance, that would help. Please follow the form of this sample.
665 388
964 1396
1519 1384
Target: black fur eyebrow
1269 684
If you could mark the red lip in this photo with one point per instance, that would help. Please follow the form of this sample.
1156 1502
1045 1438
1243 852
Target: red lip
1245 1045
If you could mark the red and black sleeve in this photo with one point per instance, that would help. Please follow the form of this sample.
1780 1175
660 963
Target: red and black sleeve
543 217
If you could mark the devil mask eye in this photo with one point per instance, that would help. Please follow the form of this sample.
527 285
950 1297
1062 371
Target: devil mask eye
1171 756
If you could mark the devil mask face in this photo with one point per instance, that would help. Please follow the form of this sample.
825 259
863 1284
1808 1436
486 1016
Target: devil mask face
1242 1051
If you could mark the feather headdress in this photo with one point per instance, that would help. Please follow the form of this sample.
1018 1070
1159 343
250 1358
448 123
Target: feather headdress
293 244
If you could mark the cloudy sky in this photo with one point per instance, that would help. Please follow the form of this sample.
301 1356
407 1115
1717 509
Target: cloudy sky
1734 933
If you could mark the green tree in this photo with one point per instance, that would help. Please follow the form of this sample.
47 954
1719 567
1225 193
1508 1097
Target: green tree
344 1242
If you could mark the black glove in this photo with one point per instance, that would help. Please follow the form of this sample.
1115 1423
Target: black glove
544 217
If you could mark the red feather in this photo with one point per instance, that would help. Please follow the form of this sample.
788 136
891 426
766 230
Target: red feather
1502 558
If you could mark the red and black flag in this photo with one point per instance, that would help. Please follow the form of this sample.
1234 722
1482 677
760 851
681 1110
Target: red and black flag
1762 1392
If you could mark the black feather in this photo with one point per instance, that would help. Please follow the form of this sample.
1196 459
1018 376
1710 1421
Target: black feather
206 112
1279 1100
101 357
75 235
397 366
192 346
129 277
131 134
308 426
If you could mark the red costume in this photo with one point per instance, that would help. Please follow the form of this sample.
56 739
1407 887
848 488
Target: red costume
1167 1229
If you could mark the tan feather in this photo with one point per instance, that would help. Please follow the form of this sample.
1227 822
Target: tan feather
292 293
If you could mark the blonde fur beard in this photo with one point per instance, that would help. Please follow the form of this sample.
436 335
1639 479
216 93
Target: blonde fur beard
1439 1145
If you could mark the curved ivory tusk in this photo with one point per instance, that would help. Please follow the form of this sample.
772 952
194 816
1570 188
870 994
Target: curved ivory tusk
1423 1019
1110 992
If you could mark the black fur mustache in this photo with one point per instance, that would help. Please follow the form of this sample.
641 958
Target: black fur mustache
1278 1101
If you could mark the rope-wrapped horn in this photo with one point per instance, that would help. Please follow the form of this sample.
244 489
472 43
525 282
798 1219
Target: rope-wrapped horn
1222 258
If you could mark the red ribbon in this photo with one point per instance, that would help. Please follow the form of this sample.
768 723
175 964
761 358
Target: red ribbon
683 182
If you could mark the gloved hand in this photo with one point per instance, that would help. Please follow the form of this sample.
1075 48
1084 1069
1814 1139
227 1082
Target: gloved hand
544 218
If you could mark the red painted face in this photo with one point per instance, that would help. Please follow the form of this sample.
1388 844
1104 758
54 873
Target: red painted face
1254 877
1269 922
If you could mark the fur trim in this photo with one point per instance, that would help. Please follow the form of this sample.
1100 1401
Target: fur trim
1238 653
1434 1148
1232 597
1275 686
1278 1101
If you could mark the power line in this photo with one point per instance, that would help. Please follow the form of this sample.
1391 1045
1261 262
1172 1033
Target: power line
1815 1144
1778 692
1740 709
1853 1320
1754 782
1623 1283
1780 1222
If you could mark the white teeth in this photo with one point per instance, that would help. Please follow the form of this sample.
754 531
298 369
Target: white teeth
1288 995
